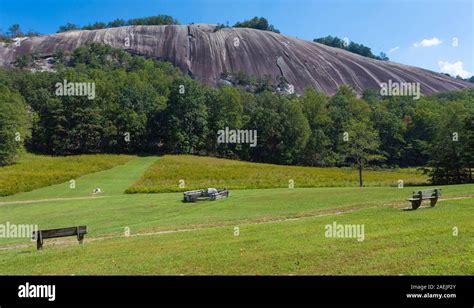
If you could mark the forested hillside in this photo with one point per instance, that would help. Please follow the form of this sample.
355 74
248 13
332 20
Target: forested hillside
147 106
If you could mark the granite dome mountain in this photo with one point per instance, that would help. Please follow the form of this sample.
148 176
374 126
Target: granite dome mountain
205 53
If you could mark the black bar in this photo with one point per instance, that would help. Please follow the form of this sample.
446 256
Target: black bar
223 291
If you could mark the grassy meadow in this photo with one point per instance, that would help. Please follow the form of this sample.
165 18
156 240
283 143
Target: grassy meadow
280 236
280 230
198 172
35 171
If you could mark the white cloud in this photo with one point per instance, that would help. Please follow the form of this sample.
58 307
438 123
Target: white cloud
428 42
394 49
454 69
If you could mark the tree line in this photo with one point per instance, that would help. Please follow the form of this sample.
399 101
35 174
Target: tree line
16 31
259 23
353 47
148 106
156 20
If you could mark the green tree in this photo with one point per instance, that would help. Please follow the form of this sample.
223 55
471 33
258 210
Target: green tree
23 61
15 31
52 135
225 109
332 41
282 129
14 125
382 56
318 148
362 145
446 151
468 145
95 26
184 121
343 107
116 23
153 20
353 47
259 23
138 104
67 27
391 130
425 116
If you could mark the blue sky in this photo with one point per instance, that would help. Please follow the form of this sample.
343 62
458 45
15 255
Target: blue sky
417 32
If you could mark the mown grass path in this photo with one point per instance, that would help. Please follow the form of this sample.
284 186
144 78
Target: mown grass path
113 181
36 171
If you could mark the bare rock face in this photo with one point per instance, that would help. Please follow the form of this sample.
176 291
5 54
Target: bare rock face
205 54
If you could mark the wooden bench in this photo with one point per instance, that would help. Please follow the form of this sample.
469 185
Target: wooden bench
427 194
39 236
